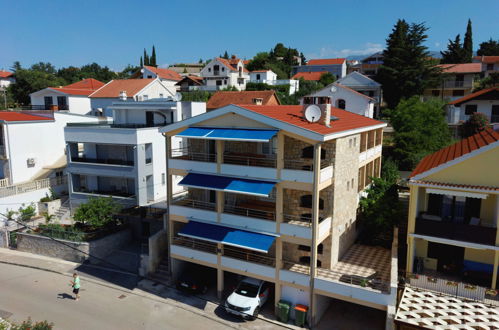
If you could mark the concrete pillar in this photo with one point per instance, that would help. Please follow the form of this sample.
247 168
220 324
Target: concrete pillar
280 153
279 199
411 249
278 266
219 147
494 271
220 272
220 205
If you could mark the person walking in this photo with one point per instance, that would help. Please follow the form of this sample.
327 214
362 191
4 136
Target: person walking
75 283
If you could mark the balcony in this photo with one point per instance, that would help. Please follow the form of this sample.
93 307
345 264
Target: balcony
106 161
248 159
458 84
196 204
256 209
102 192
456 231
189 154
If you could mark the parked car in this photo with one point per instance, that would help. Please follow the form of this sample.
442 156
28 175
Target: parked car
248 298
193 280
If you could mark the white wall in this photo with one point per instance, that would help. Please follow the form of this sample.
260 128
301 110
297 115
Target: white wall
483 106
16 201
79 105
295 296
154 90
5 82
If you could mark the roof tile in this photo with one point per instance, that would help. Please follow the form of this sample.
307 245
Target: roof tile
114 87
326 61
164 73
222 98
20 116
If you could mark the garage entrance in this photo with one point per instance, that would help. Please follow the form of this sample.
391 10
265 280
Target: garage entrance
344 315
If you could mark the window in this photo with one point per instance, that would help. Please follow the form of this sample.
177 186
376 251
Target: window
223 69
369 173
258 76
47 101
209 69
306 248
494 117
225 81
470 109
348 185
370 93
149 76
350 143
163 178
363 142
370 139
219 83
490 66
435 92
148 153
458 92
308 152
62 102
351 183
145 97
379 136
355 142
306 201
160 95
360 182
341 104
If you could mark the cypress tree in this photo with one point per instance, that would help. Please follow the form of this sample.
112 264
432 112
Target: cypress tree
153 57
146 58
468 43
141 62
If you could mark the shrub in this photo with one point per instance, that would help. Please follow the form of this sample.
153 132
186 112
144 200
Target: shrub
97 212
69 233
476 122
26 213
29 325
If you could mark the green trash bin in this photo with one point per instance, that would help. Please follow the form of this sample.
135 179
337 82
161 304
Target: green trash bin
300 315
283 309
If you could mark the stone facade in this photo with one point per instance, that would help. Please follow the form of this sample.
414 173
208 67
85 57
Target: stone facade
292 202
241 147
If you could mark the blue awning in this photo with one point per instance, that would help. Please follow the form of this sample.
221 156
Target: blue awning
228 236
229 184
232 134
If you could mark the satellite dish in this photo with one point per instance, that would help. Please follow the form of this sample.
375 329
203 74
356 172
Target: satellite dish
313 113
333 89
177 97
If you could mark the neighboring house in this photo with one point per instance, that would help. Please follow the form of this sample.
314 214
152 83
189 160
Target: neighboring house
221 99
458 81
6 78
221 73
187 69
452 237
271 195
124 158
369 66
72 97
270 78
485 101
32 154
190 83
336 66
343 97
168 77
489 64
311 76
365 85
128 89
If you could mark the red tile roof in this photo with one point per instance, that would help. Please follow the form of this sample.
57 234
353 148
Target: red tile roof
5 74
293 115
230 63
261 70
461 68
471 96
114 87
459 149
327 61
309 75
83 87
19 116
164 73
454 185
487 59
221 99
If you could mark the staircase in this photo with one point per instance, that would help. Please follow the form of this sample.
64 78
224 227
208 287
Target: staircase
63 212
162 274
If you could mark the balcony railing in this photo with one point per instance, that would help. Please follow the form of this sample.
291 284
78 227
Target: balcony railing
107 161
115 193
195 244
249 256
196 204
2 151
45 107
253 211
456 231
250 160
458 84
299 220
187 154
303 165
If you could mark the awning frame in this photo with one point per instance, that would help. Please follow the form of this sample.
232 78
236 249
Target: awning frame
213 130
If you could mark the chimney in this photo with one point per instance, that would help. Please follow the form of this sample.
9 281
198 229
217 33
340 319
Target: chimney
258 101
233 57
326 114
123 96
317 109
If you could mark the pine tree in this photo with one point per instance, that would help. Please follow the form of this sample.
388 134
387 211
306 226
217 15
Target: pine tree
153 57
488 48
226 55
455 52
407 69
468 43
141 62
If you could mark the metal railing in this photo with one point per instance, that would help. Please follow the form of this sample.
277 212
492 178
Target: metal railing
31 186
248 256
263 161
196 204
107 161
458 84
115 193
249 212
186 154
195 244
2 151
453 288
299 220
303 165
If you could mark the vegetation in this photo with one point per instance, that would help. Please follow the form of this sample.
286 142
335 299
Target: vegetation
455 52
488 82
59 231
408 68
327 78
488 48
27 325
468 43
477 122
420 128
48 217
97 212
279 59
380 210
26 212
196 96
48 198
149 60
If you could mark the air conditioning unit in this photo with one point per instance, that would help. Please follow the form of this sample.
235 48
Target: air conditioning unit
31 162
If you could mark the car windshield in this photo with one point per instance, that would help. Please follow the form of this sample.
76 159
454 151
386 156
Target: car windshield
247 290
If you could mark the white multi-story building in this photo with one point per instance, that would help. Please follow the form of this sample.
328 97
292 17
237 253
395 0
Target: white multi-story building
490 64
365 85
129 89
270 78
221 73
485 101
124 158
73 97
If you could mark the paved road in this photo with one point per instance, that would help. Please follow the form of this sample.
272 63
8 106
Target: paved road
45 295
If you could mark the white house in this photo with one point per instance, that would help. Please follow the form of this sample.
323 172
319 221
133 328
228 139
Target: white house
343 97
485 101
336 66
32 154
221 73
489 64
125 159
130 89
73 97
6 78
168 77
363 84
270 78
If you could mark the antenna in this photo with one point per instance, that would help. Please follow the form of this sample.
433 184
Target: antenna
313 113
177 97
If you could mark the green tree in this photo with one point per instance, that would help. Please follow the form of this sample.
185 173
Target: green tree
141 62
407 69
29 325
226 55
455 52
27 212
97 212
468 43
196 96
9 215
127 72
153 57
491 81
327 78
420 128
71 74
488 48
94 70
477 122
303 59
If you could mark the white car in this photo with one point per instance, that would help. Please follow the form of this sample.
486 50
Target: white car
248 298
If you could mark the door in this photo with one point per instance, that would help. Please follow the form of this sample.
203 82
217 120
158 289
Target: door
149 119
48 101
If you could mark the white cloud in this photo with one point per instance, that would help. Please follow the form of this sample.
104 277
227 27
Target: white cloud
369 48
437 44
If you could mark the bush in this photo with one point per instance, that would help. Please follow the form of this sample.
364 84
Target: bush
97 212
69 233
26 213
29 325
477 122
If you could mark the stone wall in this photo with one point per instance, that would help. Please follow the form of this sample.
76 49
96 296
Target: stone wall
291 202
241 147
72 251
49 207
197 145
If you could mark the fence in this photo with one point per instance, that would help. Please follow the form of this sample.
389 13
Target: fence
31 186
4 183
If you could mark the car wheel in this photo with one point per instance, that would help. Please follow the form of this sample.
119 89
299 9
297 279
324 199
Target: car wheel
255 313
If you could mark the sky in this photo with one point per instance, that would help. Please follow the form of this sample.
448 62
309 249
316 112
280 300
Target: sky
115 32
